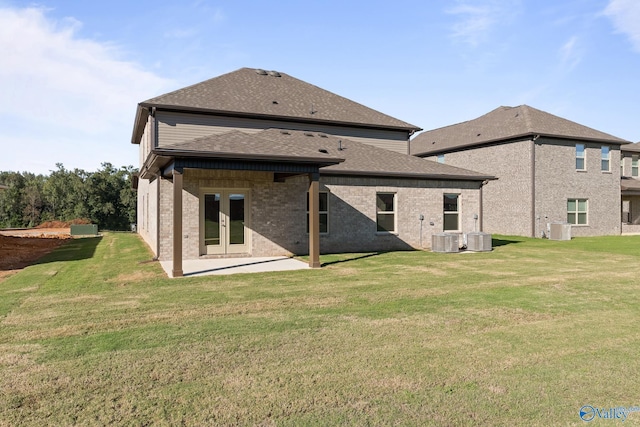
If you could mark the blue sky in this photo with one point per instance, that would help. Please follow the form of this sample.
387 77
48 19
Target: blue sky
72 72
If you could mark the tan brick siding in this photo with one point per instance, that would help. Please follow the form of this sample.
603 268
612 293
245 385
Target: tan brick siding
147 212
277 219
507 201
557 181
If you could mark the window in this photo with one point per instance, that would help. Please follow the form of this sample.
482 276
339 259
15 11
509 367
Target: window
621 166
440 158
577 211
451 212
634 165
580 163
386 212
605 159
324 212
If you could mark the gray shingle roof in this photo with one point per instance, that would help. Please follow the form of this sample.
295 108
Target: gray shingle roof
354 158
629 184
272 146
501 124
258 93
632 147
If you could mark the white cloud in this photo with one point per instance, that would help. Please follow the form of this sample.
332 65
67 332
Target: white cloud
57 85
571 53
625 15
477 18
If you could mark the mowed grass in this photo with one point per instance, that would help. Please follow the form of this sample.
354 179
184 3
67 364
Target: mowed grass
524 335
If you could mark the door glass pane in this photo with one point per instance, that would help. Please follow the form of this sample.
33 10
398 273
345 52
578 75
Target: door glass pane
324 223
236 219
212 219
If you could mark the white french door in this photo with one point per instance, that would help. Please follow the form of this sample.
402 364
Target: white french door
223 219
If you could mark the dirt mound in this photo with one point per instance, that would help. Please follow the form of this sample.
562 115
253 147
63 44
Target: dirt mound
63 224
19 252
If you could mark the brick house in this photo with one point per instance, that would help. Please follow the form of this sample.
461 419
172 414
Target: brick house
260 163
630 185
549 169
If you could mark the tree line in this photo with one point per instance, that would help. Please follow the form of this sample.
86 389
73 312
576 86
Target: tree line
104 197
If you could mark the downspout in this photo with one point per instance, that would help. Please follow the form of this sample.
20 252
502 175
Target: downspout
481 206
532 215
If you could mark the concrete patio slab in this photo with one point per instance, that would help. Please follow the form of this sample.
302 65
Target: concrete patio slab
206 267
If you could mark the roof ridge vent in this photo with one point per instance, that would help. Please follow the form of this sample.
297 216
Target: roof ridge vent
261 71
275 73
308 134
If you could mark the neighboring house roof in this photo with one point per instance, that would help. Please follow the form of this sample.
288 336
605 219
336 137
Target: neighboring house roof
338 156
629 185
504 124
632 147
257 93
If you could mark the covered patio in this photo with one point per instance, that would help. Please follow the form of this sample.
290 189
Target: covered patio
236 151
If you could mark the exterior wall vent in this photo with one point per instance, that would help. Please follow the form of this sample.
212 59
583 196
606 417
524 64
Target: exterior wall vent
444 242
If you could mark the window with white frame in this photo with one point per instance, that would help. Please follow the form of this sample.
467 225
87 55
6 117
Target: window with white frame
580 157
605 156
386 212
451 208
577 210
634 165
621 166
324 212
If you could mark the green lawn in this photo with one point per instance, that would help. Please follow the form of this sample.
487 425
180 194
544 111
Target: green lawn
524 335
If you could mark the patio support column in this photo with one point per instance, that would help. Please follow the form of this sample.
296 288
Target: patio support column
177 224
314 220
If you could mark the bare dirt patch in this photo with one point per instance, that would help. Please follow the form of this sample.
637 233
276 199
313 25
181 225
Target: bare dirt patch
20 248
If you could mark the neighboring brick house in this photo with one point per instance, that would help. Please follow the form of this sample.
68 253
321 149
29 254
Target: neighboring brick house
227 166
630 184
549 169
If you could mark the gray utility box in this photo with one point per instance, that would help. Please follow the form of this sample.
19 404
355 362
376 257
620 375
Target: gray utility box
84 230
444 242
479 242
559 231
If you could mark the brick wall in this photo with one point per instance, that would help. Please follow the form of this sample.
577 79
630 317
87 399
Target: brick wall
507 201
277 220
147 212
557 180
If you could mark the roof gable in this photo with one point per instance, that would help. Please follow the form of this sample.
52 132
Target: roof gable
260 93
503 124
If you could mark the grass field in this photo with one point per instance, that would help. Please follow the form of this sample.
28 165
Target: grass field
524 335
